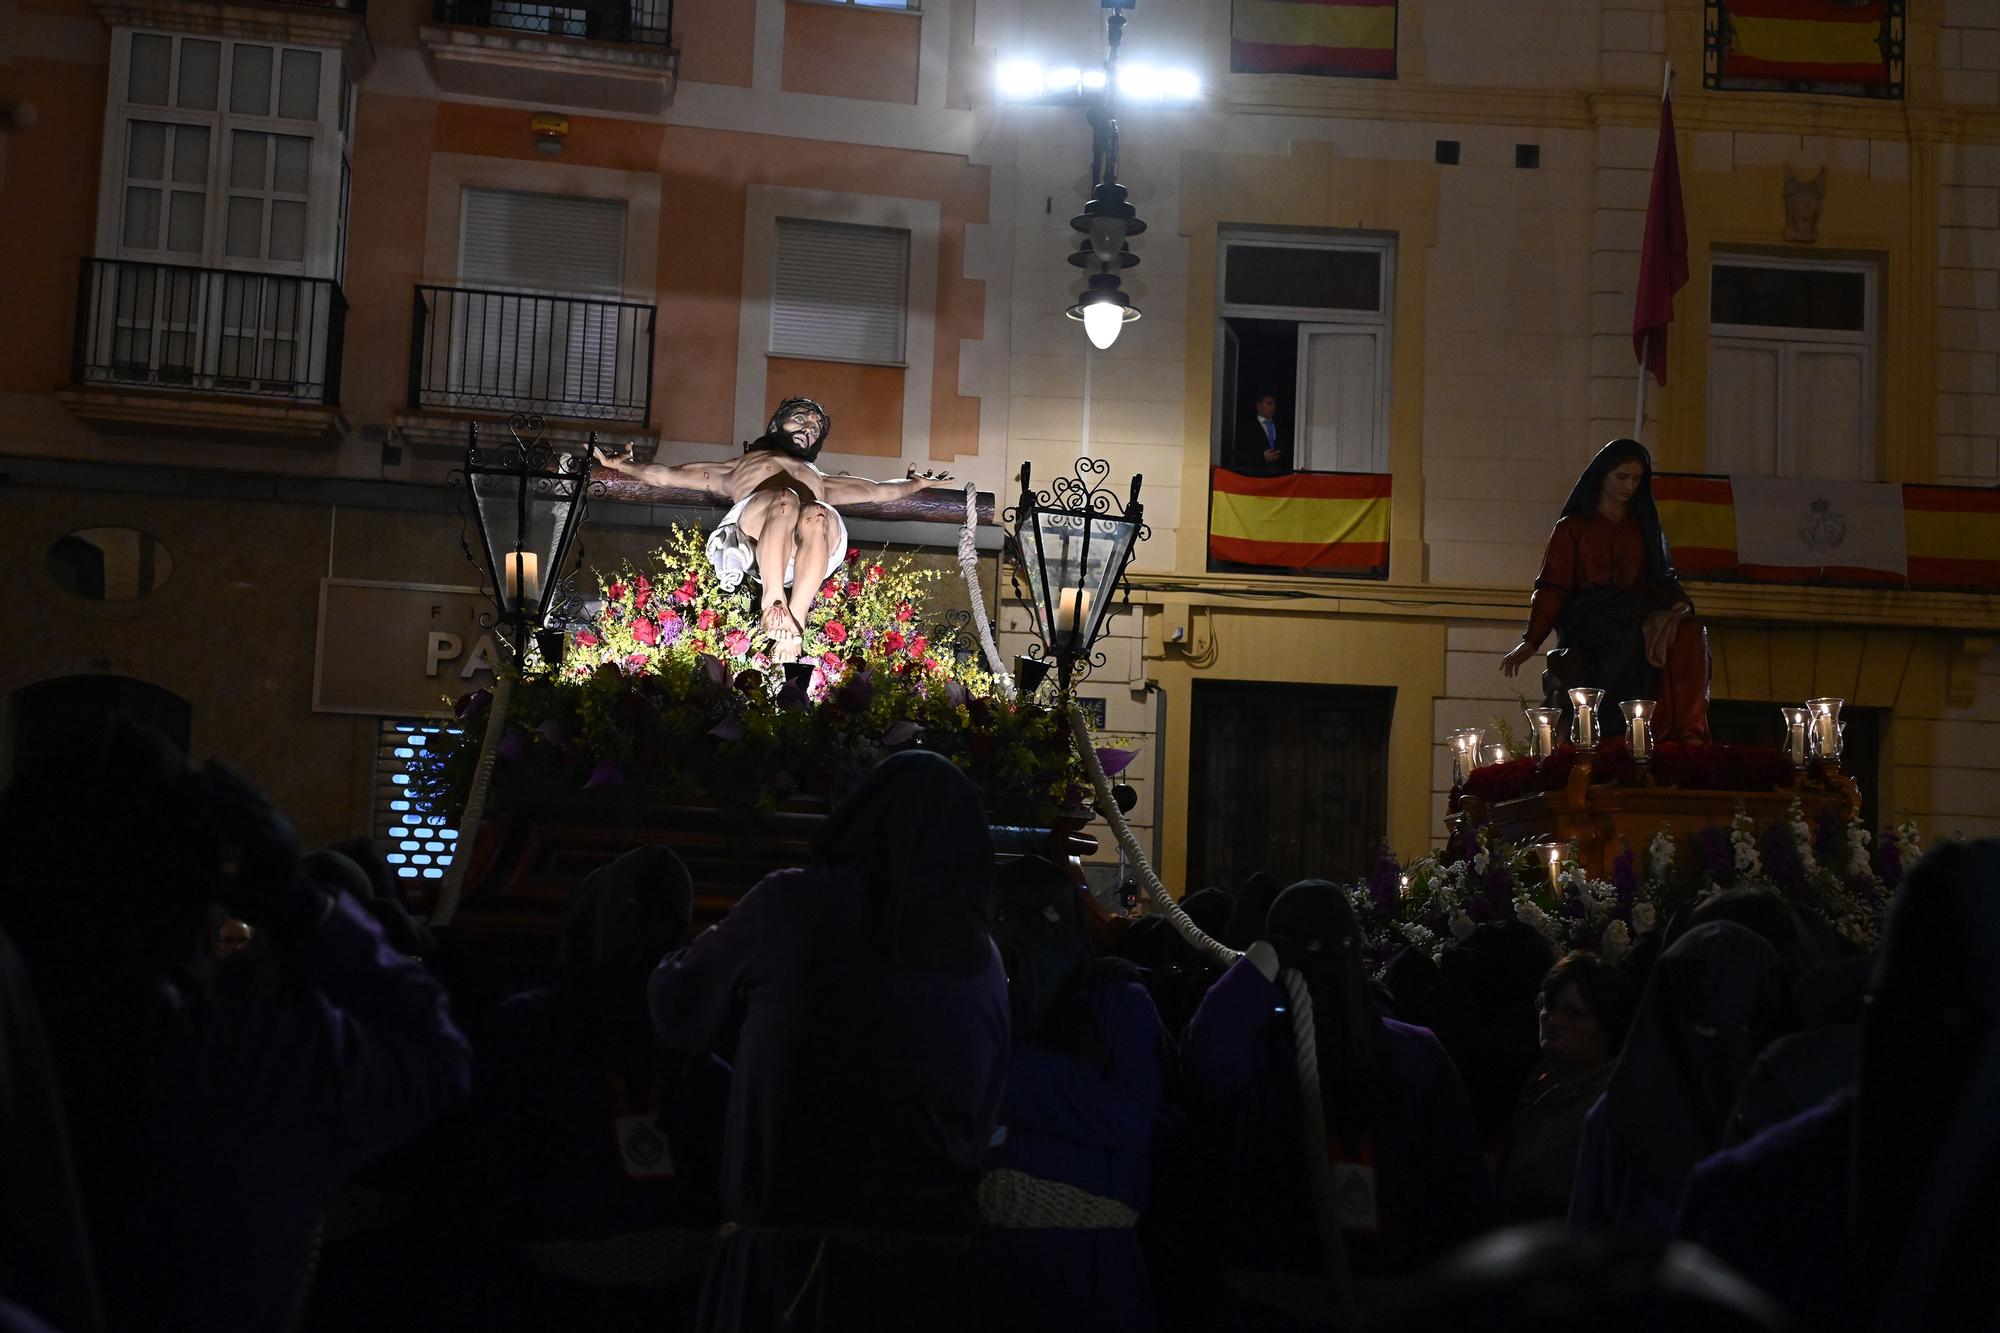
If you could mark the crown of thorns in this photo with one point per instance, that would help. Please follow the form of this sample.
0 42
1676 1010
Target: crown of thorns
791 405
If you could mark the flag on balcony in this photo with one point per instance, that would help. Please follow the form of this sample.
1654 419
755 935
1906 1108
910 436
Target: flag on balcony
1342 38
1336 521
1698 514
1804 41
1663 256
1954 536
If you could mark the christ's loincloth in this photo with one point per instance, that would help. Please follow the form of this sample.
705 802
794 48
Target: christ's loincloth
733 552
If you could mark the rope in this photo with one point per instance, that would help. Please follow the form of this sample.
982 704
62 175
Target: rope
968 565
475 802
1016 1200
1305 1047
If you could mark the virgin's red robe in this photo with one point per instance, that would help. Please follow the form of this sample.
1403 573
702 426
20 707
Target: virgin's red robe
1591 551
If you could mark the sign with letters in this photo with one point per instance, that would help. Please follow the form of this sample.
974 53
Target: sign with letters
400 649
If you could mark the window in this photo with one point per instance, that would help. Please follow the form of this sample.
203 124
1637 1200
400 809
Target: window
1791 377
1305 320
417 842
840 292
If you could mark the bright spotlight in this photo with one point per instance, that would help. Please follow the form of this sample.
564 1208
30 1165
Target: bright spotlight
1093 80
1063 79
1018 79
1182 85
1139 81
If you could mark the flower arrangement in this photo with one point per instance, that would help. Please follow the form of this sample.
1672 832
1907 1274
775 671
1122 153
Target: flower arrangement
1479 878
670 692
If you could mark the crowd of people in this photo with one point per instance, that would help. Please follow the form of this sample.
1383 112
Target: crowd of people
243 1089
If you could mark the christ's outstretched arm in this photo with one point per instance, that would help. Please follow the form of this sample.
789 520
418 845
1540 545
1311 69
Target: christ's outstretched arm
860 490
710 477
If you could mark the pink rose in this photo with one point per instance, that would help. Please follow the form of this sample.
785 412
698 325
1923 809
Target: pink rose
737 642
615 592
586 638
642 592
917 646
831 664
706 620
831 588
637 660
904 611
893 641
853 589
646 632
835 632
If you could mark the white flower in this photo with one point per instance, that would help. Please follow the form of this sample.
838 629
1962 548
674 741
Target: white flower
1615 942
1743 840
1660 855
1858 863
1461 926
1526 910
1644 917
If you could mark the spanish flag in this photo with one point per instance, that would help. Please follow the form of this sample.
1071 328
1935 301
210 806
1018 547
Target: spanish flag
1954 536
1303 520
1343 38
1805 41
1698 514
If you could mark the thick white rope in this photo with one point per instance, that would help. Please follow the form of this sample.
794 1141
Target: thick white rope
968 565
475 802
1305 1046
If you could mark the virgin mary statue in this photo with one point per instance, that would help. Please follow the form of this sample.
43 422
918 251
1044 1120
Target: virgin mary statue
1623 623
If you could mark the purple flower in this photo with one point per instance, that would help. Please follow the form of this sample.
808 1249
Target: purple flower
670 628
513 746
608 773
791 695
1625 877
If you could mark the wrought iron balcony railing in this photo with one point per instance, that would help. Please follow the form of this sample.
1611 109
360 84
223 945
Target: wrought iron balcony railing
208 330
562 356
648 21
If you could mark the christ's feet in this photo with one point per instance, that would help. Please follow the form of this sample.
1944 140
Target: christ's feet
787 641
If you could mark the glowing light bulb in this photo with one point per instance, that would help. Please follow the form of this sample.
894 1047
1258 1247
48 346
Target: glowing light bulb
1102 321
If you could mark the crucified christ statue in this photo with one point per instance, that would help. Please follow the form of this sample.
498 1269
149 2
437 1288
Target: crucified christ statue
781 522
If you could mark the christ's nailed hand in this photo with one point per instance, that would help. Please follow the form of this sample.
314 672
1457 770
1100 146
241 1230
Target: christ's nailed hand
926 475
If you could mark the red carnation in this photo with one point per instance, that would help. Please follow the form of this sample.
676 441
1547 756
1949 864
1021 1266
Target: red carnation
698 644
904 611
917 646
586 638
831 588
646 632
614 593
831 664
835 632
637 660
687 591
893 641
853 554
874 573
642 592
853 590
706 620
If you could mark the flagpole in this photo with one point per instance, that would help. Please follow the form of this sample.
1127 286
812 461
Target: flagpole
1639 399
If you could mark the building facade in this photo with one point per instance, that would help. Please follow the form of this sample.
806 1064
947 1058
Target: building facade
264 261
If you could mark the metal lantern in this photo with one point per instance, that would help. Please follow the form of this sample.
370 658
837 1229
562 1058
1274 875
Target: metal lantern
527 499
1073 544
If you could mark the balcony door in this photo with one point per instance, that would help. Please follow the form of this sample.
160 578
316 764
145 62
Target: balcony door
539 323
1289 779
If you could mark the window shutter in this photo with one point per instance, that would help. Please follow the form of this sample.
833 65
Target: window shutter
1342 388
1826 388
1743 409
839 292
542 242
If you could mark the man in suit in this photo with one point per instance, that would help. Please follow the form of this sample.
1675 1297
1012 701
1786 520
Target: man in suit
1261 444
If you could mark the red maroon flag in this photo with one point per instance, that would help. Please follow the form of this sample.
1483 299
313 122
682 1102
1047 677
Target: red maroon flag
1663 259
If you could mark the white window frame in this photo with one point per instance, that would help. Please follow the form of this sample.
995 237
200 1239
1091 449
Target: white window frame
1787 343
1378 324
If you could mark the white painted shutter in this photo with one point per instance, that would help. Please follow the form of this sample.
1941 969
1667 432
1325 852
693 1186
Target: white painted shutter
1831 428
551 333
839 292
1743 408
1342 401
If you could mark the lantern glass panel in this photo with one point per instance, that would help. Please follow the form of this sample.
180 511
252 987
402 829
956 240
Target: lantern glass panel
1072 562
524 534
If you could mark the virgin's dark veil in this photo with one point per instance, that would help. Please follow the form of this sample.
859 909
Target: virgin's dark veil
1582 503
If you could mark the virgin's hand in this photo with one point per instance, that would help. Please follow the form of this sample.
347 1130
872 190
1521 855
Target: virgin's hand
1510 665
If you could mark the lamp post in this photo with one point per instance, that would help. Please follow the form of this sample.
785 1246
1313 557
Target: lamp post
527 498
1074 543
1108 219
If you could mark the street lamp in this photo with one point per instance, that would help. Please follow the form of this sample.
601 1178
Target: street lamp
528 498
1108 219
1073 544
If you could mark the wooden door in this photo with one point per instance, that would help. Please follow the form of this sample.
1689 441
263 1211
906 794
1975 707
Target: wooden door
1289 779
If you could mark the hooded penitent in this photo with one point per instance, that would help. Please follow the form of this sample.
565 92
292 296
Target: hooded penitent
1926 1206
1712 1004
778 438
1313 928
1253 903
916 832
625 917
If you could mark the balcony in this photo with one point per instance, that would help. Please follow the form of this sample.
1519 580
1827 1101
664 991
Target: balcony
599 55
203 349
583 358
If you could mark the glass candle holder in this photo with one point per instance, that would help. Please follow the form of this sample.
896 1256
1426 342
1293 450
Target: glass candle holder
1798 735
1464 754
1496 752
1542 724
1639 714
1553 855
1826 729
1402 886
1585 701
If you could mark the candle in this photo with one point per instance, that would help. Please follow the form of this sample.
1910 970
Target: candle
1402 886
1497 753
1639 727
1072 613
1826 728
528 567
1585 701
1542 724
1553 854
1464 754
1798 736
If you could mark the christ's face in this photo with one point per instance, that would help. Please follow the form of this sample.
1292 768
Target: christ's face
803 425
1622 482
